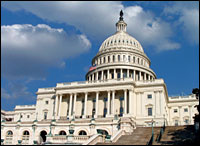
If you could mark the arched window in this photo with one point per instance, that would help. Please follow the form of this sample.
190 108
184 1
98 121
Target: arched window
133 59
25 137
62 133
9 137
118 57
82 132
138 61
113 58
104 60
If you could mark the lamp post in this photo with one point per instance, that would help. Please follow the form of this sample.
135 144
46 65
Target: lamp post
152 130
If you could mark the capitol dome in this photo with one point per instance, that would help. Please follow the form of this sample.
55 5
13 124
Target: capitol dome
121 39
120 56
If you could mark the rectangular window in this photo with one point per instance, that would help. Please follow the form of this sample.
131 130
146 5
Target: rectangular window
150 111
186 121
108 59
175 110
149 96
28 116
112 75
47 102
133 59
129 58
176 122
45 115
113 58
118 75
185 110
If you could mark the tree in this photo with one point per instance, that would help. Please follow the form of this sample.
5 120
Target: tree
196 92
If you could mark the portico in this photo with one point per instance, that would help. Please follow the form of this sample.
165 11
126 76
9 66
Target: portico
101 103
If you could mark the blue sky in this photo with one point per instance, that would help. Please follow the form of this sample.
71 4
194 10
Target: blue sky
44 43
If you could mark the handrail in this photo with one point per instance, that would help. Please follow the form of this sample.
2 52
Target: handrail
150 142
162 129
117 135
92 139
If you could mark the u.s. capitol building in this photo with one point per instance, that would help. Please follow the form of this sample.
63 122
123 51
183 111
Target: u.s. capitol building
121 93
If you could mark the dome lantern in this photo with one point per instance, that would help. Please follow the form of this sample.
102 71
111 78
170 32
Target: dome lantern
121 25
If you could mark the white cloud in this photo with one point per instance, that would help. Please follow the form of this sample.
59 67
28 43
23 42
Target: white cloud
97 20
28 50
16 90
150 30
188 18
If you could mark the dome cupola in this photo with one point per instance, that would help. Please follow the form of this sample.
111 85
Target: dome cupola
120 56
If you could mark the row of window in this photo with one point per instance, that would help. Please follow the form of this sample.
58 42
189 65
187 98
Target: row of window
127 42
26 136
28 116
118 72
125 58
185 110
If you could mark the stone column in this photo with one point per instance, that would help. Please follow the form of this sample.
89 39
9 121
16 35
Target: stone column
145 76
97 76
134 104
158 103
121 73
155 105
108 103
113 103
130 101
115 74
134 75
180 115
97 104
56 108
102 75
70 105
190 115
74 110
148 77
169 108
60 105
85 105
127 73
93 77
108 74
125 101
141 101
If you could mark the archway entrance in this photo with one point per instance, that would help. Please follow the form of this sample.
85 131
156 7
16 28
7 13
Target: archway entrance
43 136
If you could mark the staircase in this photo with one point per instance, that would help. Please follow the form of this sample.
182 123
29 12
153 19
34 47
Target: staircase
177 135
140 136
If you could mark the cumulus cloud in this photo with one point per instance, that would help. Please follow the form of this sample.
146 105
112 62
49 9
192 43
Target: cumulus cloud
188 18
97 20
28 50
149 29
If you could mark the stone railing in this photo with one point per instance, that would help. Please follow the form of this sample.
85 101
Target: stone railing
117 135
81 138
95 81
158 81
46 89
68 139
94 140
185 97
24 106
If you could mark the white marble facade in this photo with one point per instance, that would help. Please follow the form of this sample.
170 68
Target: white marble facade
121 92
